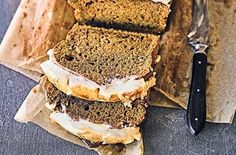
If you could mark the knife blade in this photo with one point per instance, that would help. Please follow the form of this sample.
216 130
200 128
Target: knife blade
199 40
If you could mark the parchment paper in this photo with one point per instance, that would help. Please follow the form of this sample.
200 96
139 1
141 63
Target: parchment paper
36 27
33 110
174 71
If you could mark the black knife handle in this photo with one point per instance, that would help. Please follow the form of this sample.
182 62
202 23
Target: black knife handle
196 111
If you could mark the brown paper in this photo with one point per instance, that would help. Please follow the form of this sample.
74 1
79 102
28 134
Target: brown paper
174 70
156 98
36 27
33 110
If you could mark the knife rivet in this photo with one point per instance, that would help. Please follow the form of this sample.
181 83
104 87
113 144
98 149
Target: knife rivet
199 62
198 90
196 119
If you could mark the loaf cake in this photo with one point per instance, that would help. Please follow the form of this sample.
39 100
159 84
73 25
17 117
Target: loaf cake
134 15
103 64
99 122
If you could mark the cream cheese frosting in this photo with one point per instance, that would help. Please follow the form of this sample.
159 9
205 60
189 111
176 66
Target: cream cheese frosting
117 86
96 132
166 2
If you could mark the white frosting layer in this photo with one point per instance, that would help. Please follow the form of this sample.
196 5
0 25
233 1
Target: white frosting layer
83 127
50 106
166 2
116 87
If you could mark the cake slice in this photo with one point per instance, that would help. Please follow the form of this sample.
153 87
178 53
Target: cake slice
135 15
103 64
96 121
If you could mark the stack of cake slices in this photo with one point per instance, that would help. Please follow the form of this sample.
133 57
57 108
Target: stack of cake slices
100 76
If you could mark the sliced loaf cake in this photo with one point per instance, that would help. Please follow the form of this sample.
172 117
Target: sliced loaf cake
135 15
98 122
103 64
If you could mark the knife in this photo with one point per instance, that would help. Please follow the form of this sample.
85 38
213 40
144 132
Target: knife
199 40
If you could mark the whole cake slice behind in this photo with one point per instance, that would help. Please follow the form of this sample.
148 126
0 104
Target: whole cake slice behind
135 15
101 64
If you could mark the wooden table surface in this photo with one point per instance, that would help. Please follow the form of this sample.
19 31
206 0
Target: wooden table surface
164 129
